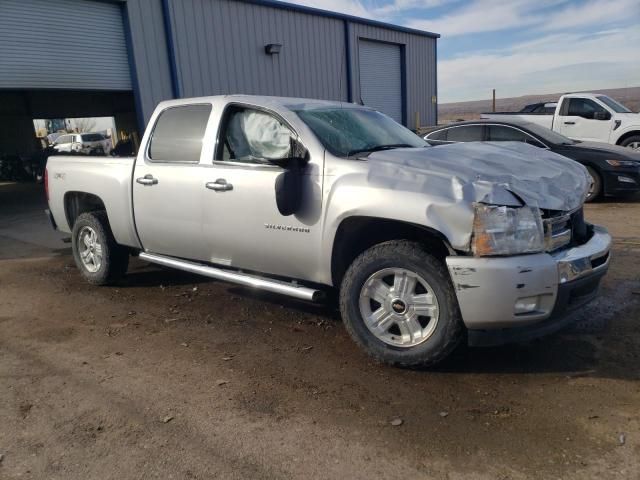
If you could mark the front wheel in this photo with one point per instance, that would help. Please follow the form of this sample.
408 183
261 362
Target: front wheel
596 185
98 257
632 142
398 303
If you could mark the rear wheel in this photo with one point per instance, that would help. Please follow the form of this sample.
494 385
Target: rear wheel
97 255
397 302
596 185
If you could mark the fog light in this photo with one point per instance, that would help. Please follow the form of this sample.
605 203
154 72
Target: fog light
527 305
626 180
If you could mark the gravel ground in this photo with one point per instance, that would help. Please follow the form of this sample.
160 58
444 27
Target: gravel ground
174 376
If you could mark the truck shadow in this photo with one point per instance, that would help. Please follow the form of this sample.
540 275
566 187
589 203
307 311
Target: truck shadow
590 348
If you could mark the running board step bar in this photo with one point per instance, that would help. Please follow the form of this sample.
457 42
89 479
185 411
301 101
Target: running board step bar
261 283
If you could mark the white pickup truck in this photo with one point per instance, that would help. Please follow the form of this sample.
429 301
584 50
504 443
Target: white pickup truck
586 117
427 245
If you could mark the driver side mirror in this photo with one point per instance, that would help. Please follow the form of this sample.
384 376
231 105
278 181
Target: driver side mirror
602 116
296 156
288 187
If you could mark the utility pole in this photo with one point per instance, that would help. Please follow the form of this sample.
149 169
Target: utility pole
494 100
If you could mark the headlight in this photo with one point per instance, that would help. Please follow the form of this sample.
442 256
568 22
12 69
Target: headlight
622 163
506 231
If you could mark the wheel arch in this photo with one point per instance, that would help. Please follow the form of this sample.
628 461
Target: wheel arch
359 233
626 135
76 203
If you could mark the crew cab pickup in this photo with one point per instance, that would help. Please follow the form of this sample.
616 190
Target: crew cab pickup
427 245
583 116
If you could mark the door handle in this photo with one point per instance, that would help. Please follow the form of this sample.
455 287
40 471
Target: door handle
147 180
569 123
220 185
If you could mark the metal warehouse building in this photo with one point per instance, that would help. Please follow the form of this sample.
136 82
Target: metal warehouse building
79 58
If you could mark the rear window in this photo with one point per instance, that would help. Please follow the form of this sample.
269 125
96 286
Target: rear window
92 137
178 134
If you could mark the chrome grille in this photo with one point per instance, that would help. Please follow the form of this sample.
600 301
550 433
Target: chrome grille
557 232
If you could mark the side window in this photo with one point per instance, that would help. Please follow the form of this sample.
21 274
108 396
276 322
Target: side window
253 136
583 107
501 133
498 133
440 135
178 133
470 133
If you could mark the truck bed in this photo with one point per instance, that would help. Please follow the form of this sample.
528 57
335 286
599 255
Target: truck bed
108 178
542 119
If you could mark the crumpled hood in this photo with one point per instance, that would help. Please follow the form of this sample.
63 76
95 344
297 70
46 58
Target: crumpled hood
498 173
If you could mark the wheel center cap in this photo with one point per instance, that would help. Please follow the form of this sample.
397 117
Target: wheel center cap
398 306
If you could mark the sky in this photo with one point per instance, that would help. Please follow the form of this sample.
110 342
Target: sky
518 47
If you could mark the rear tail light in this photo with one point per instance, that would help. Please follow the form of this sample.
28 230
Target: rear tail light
46 184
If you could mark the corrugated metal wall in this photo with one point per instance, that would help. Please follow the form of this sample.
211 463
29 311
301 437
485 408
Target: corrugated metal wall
219 48
210 47
70 44
420 68
149 50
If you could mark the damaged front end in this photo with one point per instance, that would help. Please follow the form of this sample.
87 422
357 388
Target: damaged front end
529 269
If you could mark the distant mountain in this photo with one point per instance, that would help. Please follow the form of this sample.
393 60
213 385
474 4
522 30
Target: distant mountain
448 112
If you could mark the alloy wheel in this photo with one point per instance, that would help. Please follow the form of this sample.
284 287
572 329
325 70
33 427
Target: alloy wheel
90 249
399 307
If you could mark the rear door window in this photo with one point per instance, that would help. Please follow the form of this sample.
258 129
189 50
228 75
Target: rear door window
467 133
178 134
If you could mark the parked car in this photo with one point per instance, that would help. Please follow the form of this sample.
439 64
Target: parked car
427 245
584 116
614 170
86 143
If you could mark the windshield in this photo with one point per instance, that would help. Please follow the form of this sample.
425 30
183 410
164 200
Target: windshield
348 131
612 104
547 135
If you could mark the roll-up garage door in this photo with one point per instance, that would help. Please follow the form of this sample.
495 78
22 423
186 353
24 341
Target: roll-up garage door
69 44
381 77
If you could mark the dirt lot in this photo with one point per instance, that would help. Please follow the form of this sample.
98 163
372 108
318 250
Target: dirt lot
172 376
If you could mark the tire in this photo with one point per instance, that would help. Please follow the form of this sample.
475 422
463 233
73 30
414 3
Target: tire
596 190
110 260
401 258
632 142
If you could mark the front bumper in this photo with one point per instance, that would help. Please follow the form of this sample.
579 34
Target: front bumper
506 299
621 181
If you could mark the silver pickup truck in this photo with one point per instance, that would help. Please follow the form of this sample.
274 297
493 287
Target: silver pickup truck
427 245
